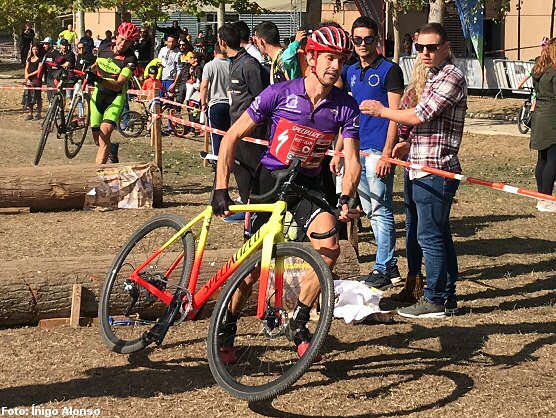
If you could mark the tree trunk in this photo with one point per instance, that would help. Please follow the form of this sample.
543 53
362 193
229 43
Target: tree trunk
35 289
314 11
437 10
396 28
221 15
54 188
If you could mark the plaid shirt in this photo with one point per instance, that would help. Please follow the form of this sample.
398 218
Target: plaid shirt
442 109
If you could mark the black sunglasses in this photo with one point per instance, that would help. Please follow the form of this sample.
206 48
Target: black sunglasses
430 47
367 40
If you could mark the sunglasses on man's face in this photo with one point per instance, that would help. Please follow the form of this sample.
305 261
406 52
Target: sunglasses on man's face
430 47
367 40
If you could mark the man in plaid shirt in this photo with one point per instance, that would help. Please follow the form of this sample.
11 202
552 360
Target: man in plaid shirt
438 120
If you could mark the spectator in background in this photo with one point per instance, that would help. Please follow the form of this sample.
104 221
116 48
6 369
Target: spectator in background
543 128
33 79
245 41
267 38
286 41
84 58
407 46
174 30
438 121
185 34
88 41
151 83
144 49
69 35
98 41
248 78
415 40
27 37
200 42
375 77
107 39
290 56
48 69
214 95
170 59
68 62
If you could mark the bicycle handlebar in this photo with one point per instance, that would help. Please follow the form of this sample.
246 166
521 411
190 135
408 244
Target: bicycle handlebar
284 182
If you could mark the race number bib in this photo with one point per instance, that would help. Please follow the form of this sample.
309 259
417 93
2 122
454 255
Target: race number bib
292 140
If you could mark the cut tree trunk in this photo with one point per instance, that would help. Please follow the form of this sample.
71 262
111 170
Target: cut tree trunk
35 289
62 187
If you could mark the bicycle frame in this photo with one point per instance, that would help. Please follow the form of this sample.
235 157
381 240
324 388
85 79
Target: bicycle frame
270 234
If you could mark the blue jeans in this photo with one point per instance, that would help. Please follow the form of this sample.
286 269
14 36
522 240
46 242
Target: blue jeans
428 213
219 118
376 199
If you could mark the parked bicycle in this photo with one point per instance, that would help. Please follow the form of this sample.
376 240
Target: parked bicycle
526 113
73 126
152 284
133 123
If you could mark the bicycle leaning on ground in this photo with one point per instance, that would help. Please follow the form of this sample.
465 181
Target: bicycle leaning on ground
152 283
73 126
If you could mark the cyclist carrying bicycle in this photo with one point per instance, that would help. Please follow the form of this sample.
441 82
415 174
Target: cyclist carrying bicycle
305 114
114 66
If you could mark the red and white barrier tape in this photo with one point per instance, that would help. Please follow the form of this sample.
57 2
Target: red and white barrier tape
493 185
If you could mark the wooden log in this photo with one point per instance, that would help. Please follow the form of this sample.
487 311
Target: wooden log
53 188
35 289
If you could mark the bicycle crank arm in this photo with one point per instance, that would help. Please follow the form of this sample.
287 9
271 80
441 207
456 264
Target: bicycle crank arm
158 332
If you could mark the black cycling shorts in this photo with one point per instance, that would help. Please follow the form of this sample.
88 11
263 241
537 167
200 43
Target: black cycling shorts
303 210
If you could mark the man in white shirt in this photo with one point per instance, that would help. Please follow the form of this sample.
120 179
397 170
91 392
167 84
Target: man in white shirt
170 58
245 41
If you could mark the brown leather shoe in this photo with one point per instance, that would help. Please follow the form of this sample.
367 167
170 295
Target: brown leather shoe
412 290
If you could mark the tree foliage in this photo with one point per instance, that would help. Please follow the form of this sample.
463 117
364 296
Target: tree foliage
150 10
15 13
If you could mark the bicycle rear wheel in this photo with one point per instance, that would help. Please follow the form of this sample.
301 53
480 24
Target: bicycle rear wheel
49 124
77 125
267 359
523 118
178 128
127 310
136 123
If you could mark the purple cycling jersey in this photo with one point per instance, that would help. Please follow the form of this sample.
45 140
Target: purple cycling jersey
288 101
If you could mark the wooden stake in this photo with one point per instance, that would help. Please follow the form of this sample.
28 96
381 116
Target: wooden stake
75 306
156 131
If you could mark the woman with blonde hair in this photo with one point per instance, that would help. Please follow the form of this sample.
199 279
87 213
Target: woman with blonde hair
543 128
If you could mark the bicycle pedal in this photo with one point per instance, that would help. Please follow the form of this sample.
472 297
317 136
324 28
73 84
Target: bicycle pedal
160 329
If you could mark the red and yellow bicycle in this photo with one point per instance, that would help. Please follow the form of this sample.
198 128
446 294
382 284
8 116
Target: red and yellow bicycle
152 285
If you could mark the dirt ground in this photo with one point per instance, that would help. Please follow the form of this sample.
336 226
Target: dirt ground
497 358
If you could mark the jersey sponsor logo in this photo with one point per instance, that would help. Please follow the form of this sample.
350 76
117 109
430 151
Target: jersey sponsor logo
256 103
292 101
108 65
293 140
374 80
353 80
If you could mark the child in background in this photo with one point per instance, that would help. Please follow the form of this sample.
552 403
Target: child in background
151 83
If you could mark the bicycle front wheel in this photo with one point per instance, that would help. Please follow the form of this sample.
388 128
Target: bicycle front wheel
77 125
127 310
48 125
136 123
265 358
523 118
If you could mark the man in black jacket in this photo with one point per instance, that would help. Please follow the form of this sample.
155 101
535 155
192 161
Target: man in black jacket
247 79
144 48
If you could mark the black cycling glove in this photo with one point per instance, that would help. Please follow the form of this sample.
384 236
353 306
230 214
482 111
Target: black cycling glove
346 200
92 78
220 201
